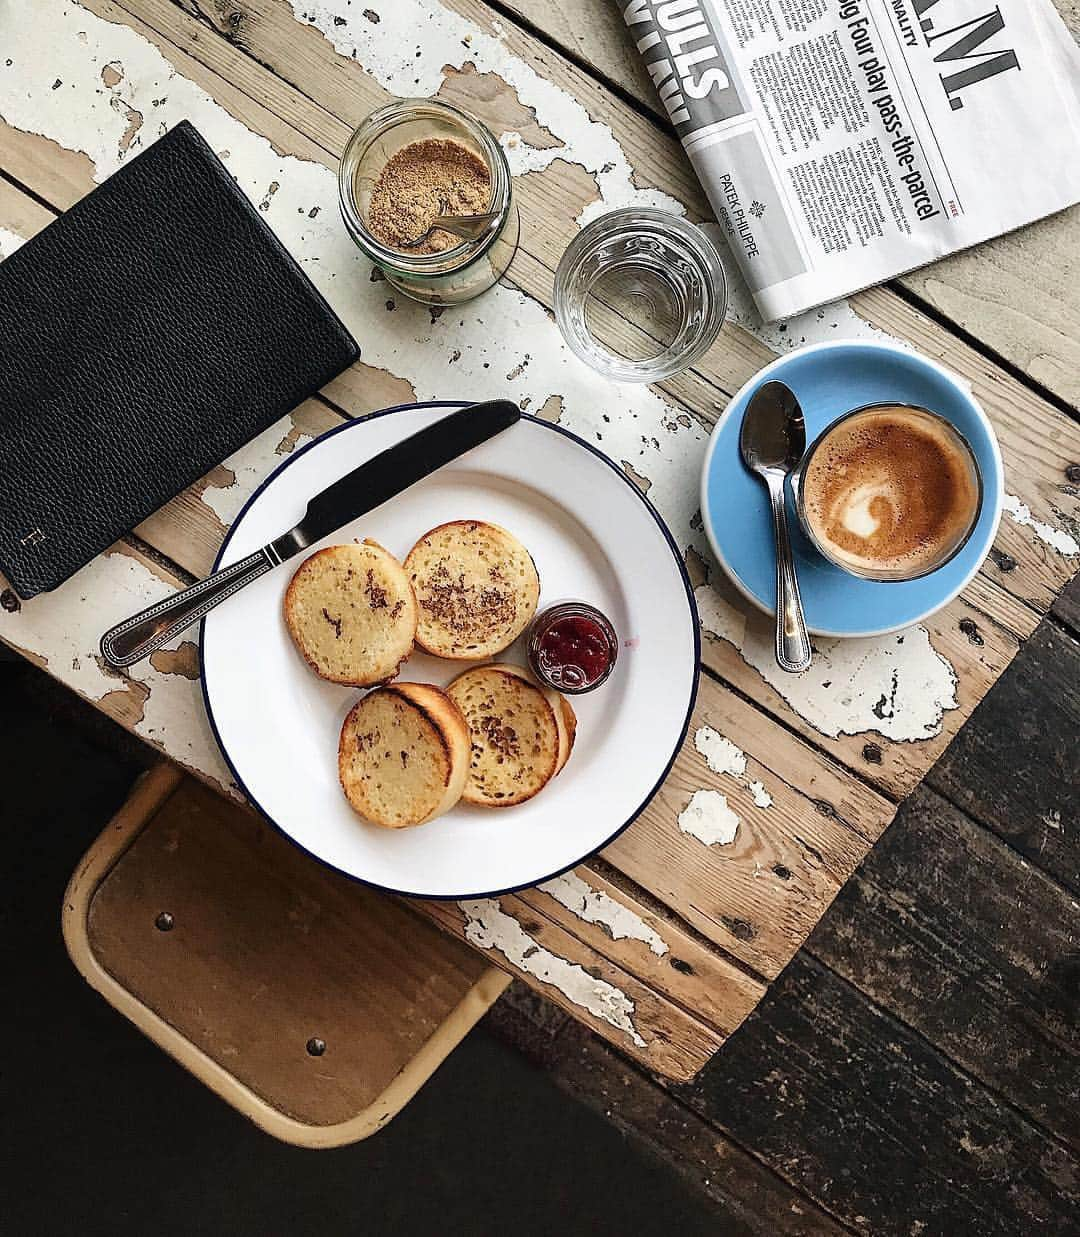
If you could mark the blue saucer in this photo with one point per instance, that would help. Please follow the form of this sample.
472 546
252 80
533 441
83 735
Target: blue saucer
829 380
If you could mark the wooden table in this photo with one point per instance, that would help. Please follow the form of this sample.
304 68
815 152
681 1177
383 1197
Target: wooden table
664 943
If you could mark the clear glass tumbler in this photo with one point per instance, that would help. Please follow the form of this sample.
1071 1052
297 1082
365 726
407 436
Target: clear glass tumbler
453 275
640 294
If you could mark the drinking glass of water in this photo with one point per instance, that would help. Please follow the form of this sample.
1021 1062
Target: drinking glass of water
640 294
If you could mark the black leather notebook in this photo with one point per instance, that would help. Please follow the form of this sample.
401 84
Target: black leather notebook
144 335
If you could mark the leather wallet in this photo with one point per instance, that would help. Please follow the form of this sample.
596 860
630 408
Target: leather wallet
144 335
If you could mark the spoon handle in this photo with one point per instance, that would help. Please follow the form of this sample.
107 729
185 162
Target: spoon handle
792 641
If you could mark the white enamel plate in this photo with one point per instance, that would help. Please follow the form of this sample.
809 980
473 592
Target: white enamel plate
593 535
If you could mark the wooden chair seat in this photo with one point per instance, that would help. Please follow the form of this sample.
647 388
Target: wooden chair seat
314 1006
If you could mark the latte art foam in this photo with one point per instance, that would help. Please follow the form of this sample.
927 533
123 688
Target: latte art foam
890 490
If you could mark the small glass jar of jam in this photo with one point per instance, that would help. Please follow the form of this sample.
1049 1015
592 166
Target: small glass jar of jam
572 647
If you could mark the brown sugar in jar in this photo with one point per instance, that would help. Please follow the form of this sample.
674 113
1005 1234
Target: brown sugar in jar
410 162
420 182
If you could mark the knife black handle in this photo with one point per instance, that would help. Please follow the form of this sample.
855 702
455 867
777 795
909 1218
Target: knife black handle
139 636
396 468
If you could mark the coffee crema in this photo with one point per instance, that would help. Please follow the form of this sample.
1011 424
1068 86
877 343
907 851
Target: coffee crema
891 491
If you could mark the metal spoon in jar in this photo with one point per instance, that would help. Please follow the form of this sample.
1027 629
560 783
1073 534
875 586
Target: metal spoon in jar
467 227
773 441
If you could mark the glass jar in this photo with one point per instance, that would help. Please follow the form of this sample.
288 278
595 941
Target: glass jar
572 647
452 275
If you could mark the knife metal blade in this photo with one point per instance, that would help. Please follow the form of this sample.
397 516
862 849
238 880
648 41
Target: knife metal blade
358 492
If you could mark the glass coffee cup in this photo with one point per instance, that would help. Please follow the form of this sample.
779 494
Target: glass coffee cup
889 492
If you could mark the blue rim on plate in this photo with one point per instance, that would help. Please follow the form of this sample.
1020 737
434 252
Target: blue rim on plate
829 380
695 627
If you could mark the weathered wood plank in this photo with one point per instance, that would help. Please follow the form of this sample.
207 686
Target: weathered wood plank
1067 606
756 830
748 1197
1017 297
1014 294
869 1119
954 934
1016 766
595 34
19 213
33 160
651 945
596 991
886 707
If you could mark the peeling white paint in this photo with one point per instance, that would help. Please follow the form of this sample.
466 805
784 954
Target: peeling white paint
9 242
718 752
722 756
897 685
708 818
64 627
1056 538
488 926
719 618
254 461
760 795
594 906
523 157
389 49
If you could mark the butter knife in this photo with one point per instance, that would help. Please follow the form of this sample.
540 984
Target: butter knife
353 495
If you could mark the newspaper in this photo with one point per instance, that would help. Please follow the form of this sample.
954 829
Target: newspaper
842 142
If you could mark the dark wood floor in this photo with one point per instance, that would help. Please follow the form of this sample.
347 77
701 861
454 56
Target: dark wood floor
916 1069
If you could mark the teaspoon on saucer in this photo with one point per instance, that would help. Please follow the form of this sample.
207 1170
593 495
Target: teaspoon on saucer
772 442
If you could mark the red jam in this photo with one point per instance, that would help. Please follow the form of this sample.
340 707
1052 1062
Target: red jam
572 647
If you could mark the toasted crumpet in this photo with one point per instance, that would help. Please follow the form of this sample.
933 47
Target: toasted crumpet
476 587
403 755
520 734
352 613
